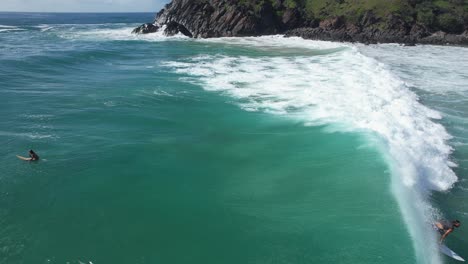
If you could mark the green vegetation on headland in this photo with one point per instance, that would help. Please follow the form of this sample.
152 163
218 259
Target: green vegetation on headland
366 21
450 16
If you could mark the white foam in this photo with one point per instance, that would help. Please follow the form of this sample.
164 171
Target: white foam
277 41
428 62
45 27
109 33
6 28
352 92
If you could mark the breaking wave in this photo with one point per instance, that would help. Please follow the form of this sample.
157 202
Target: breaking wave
347 91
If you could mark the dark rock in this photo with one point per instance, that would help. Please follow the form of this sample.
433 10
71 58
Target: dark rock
397 24
352 29
332 23
368 19
419 31
291 18
444 38
145 29
218 18
319 33
174 28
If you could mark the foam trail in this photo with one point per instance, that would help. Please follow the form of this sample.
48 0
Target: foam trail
349 92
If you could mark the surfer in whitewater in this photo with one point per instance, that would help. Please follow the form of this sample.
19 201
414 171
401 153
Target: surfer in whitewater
445 228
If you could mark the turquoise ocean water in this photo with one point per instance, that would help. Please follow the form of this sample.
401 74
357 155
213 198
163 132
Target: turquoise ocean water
234 150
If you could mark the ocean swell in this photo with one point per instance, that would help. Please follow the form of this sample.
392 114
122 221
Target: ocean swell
349 92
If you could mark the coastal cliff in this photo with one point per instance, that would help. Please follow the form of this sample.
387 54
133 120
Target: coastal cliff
217 18
366 21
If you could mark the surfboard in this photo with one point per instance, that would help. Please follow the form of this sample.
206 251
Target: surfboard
447 251
23 158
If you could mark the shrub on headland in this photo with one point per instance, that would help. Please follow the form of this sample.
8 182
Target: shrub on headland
450 23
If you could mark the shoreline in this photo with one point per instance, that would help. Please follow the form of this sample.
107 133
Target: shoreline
437 39
379 37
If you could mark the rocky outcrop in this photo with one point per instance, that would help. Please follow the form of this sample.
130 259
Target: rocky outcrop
221 18
372 30
445 38
228 18
174 28
368 30
146 29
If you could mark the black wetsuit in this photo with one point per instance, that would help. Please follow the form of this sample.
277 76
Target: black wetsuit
446 226
34 157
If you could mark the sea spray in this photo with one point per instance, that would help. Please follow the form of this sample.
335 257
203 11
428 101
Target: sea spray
350 92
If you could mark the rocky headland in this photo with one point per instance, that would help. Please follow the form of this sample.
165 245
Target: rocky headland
366 21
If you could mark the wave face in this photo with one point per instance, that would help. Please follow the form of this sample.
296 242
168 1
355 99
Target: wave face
349 92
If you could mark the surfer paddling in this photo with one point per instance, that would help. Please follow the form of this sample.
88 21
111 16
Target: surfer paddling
32 156
445 228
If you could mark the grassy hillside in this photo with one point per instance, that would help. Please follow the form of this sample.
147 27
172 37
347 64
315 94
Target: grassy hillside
447 15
